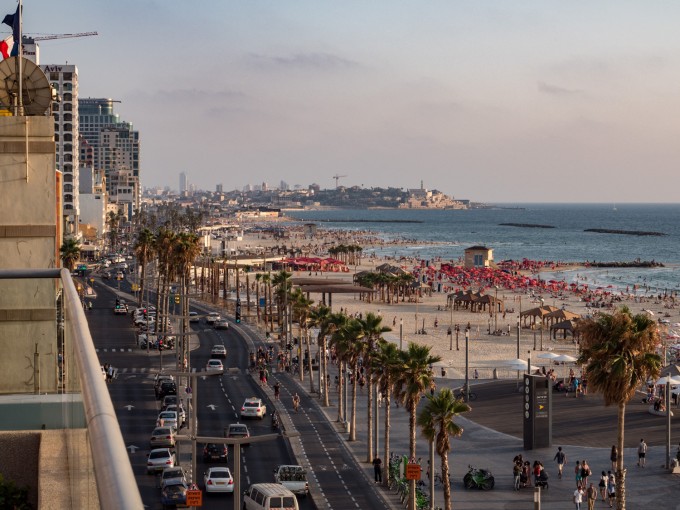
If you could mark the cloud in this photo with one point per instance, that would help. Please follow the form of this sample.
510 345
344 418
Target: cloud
555 90
302 61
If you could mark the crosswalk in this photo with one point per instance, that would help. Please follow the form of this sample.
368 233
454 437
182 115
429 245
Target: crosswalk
151 372
114 350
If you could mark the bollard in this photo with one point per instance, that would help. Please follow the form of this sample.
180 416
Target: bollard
537 498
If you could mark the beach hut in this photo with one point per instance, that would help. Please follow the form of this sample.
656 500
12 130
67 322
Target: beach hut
566 326
478 256
536 313
560 316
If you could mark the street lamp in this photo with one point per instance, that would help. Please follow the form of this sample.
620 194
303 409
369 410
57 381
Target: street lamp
519 326
467 355
495 311
401 333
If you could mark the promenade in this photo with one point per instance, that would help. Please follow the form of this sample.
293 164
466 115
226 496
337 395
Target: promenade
492 437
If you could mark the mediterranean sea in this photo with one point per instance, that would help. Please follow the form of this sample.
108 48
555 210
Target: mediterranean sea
444 234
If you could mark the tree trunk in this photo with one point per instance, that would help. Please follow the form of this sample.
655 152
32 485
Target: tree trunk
326 396
369 419
412 408
445 478
386 442
341 385
309 361
353 428
620 469
248 293
257 299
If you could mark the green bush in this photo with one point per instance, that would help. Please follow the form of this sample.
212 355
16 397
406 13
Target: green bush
13 497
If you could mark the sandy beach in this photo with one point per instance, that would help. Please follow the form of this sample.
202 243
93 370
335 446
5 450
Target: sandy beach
431 314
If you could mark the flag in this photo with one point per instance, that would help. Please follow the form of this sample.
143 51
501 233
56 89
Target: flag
5 46
12 20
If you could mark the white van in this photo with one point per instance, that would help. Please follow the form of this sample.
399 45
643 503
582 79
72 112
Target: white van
269 496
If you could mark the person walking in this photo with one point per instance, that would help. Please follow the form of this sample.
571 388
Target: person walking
603 486
296 402
613 456
591 496
516 473
578 498
611 490
377 469
585 473
277 390
578 474
642 453
561 458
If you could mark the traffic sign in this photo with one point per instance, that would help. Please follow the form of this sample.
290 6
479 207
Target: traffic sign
194 498
413 471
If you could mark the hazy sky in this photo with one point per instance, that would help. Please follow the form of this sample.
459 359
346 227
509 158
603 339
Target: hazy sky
509 101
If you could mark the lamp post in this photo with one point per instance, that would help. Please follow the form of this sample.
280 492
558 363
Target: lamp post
467 356
401 334
457 331
495 311
519 327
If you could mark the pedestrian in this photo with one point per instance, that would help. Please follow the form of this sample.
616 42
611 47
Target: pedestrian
613 456
591 494
433 388
476 374
277 390
642 453
577 474
611 490
443 372
109 374
516 473
603 486
561 458
578 498
585 473
377 469
296 402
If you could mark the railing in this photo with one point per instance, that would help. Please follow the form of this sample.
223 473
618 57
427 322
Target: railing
115 481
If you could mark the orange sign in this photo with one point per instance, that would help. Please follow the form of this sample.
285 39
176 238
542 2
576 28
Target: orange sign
413 471
194 498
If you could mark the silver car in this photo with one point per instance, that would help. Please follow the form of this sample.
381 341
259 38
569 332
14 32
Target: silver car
218 479
172 475
162 436
181 413
168 419
159 459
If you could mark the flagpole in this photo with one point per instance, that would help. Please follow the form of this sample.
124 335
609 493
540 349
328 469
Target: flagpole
20 73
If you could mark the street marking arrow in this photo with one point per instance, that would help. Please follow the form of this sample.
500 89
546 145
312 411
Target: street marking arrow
133 448
211 406
129 407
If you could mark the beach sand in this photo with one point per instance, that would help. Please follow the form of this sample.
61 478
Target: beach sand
486 350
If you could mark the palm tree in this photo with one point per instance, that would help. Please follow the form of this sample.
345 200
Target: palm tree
144 249
350 348
319 317
186 248
371 330
301 308
70 252
338 330
385 364
436 421
414 378
618 352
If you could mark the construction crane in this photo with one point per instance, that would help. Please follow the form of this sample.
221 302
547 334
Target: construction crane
48 37
337 177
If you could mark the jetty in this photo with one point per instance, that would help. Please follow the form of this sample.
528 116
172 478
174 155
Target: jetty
625 232
525 225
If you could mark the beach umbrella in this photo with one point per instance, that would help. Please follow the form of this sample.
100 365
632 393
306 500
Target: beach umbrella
665 379
565 358
673 370
548 355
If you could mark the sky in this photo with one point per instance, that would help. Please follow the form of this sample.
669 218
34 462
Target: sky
492 101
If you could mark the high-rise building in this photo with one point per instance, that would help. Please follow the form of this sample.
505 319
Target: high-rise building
183 182
219 188
64 78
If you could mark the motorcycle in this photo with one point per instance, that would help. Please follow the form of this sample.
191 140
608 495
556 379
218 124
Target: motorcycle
275 421
481 479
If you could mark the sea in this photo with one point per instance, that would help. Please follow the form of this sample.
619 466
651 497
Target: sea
445 234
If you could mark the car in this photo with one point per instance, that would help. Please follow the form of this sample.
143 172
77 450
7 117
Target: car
174 494
215 452
106 275
214 365
218 351
166 388
218 479
212 317
120 310
253 407
169 400
172 475
160 377
162 436
221 324
181 413
194 317
120 275
159 459
237 430
168 419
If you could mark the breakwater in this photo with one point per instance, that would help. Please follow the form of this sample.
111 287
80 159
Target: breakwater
625 232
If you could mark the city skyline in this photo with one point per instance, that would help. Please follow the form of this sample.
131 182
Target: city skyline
531 102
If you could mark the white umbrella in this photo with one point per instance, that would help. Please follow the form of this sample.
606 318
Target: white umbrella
665 379
565 358
548 355
517 364
648 311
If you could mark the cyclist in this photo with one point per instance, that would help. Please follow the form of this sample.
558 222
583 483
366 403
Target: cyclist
296 402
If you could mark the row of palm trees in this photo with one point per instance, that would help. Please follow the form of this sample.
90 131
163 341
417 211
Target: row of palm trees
348 254
391 286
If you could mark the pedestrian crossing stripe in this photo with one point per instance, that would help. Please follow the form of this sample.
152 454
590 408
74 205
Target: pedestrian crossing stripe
151 372
114 350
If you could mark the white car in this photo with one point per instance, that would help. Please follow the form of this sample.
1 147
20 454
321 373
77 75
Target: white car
212 317
218 479
218 351
181 413
193 317
253 407
214 365
159 459
168 419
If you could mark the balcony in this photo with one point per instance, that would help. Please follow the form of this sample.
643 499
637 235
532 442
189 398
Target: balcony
58 430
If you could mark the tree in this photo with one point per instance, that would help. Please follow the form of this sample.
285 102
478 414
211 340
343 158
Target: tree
415 376
186 248
618 352
385 365
370 330
320 317
301 307
350 348
436 421
70 253
144 250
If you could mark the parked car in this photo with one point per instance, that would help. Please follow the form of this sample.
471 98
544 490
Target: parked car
218 351
181 413
218 479
214 365
169 400
253 407
159 459
162 436
174 494
168 419
215 452
166 388
172 475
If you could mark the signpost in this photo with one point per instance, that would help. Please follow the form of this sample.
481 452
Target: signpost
537 412
194 498
413 471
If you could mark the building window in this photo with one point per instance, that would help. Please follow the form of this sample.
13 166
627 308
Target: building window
68 147
68 96
55 107
54 76
68 178
68 137
68 117
68 168
68 188
68 76
68 158
56 136
68 127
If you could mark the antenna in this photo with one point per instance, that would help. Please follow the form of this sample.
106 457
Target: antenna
48 37
28 93
337 177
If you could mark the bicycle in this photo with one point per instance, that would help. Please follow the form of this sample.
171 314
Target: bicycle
439 480
471 394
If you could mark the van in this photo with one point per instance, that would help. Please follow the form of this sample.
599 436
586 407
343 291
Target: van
269 496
